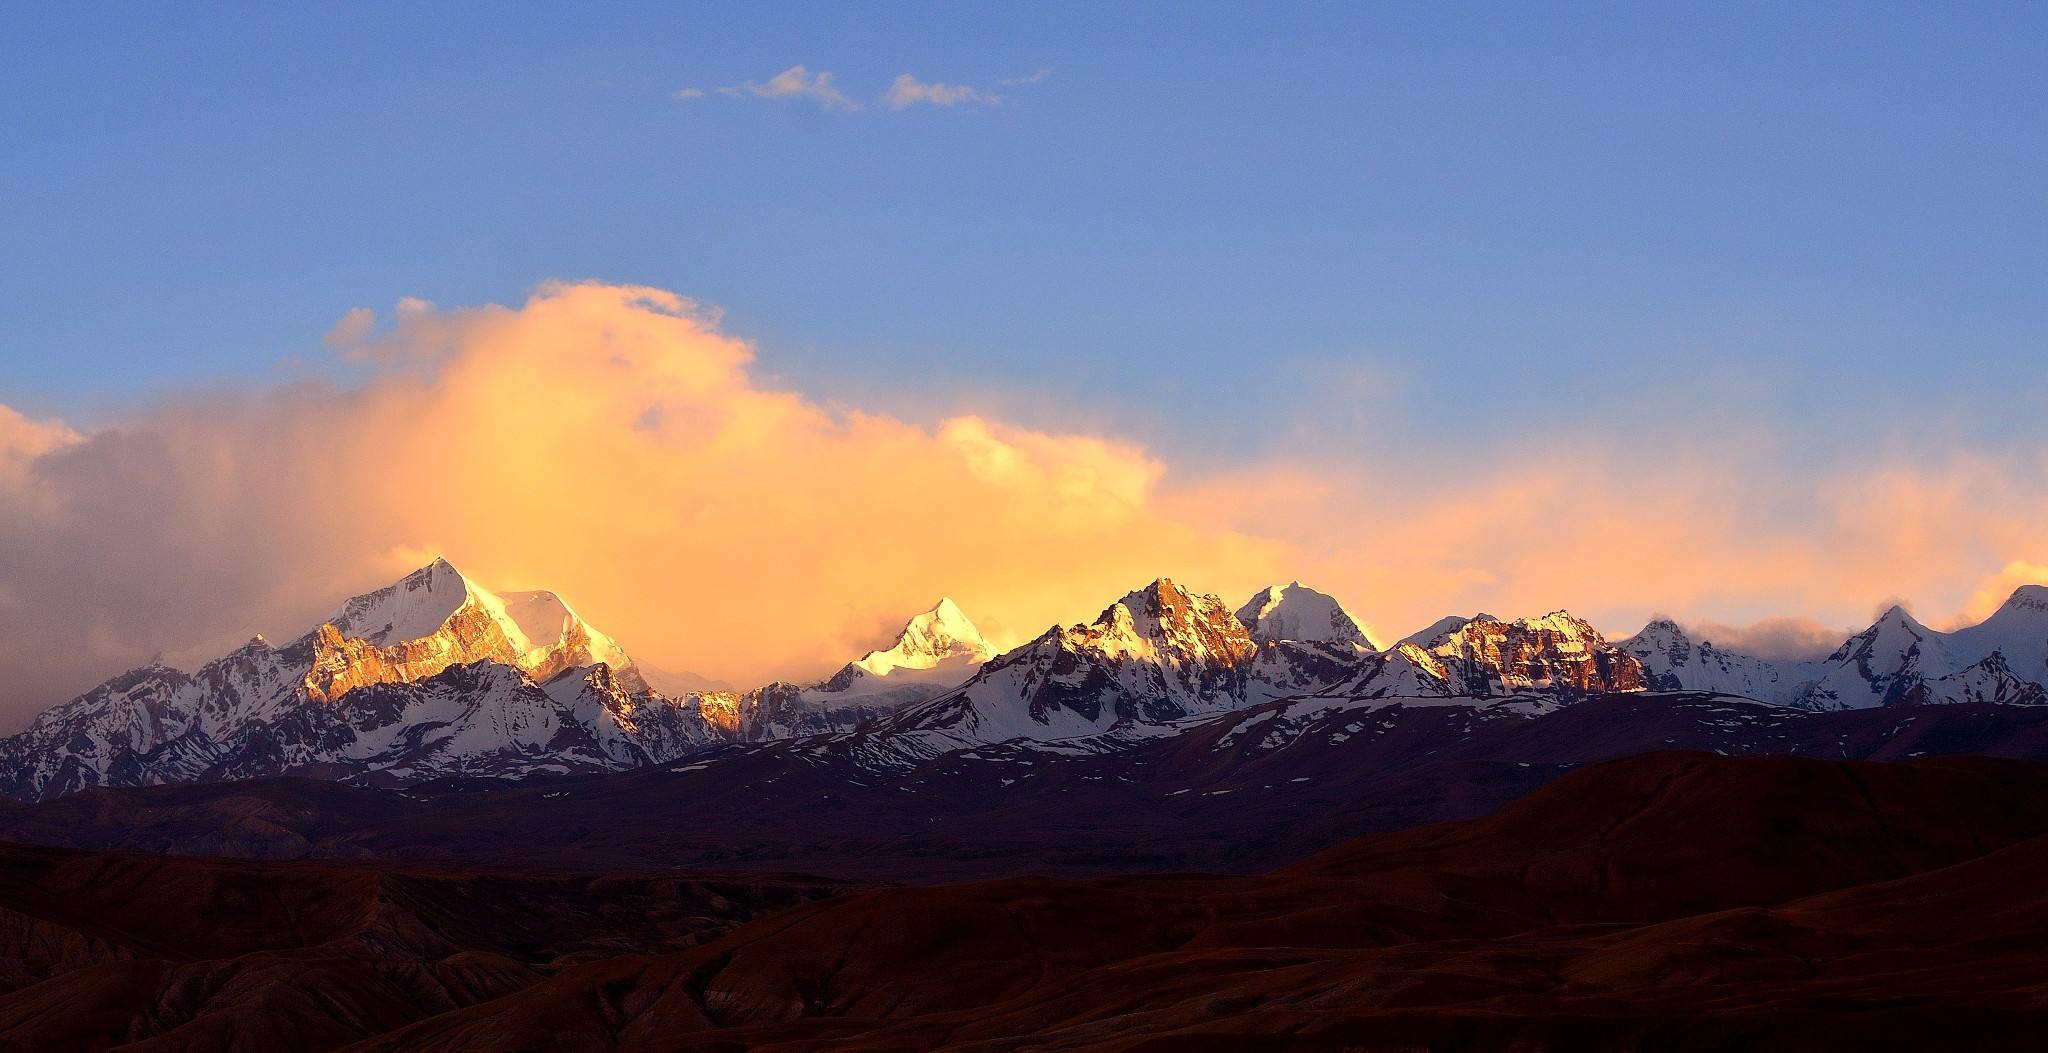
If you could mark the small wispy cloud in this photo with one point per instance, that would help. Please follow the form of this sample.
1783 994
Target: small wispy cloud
799 82
907 91
796 82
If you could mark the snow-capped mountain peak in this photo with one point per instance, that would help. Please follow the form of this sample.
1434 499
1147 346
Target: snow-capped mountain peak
2018 630
1443 629
1674 662
1895 640
434 618
415 606
2032 598
1164 622
936 650
1296 612
552 636
930 639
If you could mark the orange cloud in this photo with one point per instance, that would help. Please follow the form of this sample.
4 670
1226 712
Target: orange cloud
1730 537
608 442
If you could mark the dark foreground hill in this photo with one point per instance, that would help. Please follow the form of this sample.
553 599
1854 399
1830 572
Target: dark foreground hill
1668 901
1245 792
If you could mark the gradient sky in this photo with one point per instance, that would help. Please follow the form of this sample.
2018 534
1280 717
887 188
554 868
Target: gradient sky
1793 253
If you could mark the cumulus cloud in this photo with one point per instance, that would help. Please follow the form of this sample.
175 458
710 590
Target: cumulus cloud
608 442
907 91
613 443
796 82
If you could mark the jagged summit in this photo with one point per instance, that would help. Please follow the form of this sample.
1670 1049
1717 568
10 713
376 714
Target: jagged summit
414 606
939 647
1163 620
929 639
1555 652
1296 612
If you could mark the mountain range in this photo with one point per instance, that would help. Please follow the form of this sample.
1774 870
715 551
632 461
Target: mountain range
437 677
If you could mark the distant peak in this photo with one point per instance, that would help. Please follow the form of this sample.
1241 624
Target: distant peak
2027 598
941 635
1296 612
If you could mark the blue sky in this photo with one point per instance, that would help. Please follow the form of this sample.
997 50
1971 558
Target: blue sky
1204 221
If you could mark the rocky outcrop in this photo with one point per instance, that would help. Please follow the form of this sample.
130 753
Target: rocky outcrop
1557 652
341 664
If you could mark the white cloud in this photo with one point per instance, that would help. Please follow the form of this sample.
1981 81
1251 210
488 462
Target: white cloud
796 82
908 91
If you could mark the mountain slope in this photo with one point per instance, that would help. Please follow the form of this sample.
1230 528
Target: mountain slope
1673 662
1159 654
431 675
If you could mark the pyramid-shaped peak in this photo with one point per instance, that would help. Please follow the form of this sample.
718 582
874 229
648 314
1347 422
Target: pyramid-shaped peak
941 630
1296 612
1897 615
1659 632
940 636
946 613
415 606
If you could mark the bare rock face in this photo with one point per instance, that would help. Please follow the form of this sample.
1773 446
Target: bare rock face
1557 652
783 710
341 664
